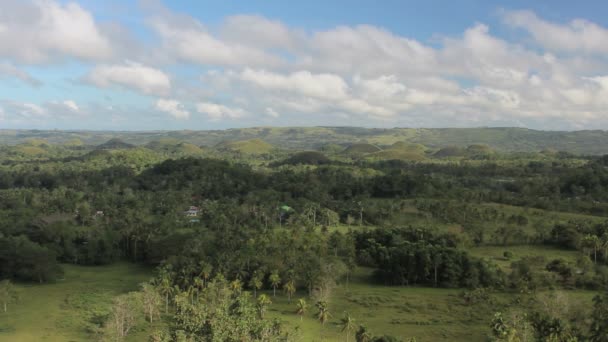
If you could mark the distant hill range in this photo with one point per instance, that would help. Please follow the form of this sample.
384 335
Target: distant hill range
314 138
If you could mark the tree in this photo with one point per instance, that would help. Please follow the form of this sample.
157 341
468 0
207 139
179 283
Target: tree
256 282
275 281
290 289
8 293
362 335
122 317
593 243
236 285
347 323
323 313
166 289
301 308
262 304
599 323
205 271
151 301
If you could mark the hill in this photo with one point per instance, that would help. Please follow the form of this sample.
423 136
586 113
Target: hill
394 154
451 151
505 139
361 148
114 144
252 146
307 158
174 146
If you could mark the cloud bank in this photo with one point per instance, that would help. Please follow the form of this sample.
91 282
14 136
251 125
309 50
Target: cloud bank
252 70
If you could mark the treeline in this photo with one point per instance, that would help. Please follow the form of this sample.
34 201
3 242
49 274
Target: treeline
418 257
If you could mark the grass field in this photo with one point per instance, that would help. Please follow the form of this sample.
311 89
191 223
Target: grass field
62 311
428 314
425 313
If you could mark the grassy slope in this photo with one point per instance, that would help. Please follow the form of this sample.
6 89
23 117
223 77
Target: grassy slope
58 312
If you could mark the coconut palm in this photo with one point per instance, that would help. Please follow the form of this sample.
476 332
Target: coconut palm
302 308
347 323
275 281
236 285
166 289
323 314
263 302
256 283
205 271
290 289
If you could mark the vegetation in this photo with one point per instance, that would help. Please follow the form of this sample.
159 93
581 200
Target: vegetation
365 244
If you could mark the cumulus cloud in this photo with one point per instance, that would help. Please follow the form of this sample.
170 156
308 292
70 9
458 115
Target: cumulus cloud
579 35
38 31
173 108
131 75
71 105
261 70
189 40
325 86
216 111
260 32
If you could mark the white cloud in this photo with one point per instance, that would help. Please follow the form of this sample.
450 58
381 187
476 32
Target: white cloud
71 105
189 41
173 108
259 32
579 35
216 111
9 70
324 86
272 113
132 75
38 31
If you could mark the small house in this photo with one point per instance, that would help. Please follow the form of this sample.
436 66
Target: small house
192 211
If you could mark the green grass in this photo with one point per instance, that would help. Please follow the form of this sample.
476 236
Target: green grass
428 314
496 253
62 311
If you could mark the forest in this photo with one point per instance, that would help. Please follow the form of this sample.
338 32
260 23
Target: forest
246 241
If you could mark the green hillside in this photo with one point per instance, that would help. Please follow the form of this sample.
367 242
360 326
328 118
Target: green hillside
251 146
500 139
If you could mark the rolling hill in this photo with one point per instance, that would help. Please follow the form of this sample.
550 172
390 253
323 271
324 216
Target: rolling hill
258 139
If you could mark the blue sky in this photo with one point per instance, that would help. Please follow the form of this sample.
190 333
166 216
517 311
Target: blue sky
144 65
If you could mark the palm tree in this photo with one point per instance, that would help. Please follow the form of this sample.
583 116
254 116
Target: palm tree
256 283
236 285
302 308
275 281
323 314
205 272
199 284
290 289
347 323
263 302
166 289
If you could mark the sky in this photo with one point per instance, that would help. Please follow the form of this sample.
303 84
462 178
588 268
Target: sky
167 65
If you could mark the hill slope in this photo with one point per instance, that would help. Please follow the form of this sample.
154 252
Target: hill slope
307 138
